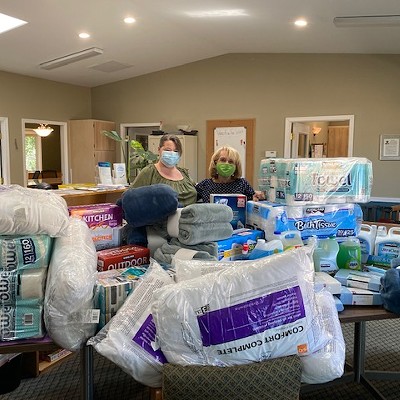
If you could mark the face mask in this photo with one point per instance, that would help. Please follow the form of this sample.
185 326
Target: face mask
170 158
226 170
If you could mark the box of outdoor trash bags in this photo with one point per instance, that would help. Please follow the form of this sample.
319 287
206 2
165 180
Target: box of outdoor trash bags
225 313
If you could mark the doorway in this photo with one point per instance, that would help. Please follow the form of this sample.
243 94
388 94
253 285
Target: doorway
336 136
62 146
5 178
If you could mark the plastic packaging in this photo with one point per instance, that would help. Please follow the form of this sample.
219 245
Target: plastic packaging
265 249
367 237
389 245
290 239
349 255
325 255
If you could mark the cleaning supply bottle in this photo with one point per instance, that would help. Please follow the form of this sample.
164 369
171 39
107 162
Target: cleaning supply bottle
388 246
349 255
367 237
325 254
290 239
264 249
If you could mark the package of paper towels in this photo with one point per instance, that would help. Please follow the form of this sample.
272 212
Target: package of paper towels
242 314
323 220
316 180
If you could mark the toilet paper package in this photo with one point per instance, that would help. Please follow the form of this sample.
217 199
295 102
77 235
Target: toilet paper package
24 252
324 220
22 320
243 314
316 180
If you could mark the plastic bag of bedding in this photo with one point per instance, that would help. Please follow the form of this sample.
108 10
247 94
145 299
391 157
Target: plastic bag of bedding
30 212
129 339
252 312
327 363
70 286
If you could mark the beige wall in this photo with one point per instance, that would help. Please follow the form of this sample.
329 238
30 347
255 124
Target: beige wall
269 87
23 97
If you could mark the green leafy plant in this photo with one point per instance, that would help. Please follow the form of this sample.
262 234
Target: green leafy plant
138 156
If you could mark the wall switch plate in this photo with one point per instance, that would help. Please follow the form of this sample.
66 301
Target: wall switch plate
270 153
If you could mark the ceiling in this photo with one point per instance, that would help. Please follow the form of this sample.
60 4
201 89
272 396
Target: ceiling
165 36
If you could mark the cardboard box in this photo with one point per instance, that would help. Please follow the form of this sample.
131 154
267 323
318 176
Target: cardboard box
98 216
359 297
359 279
237 202
326 281
231 249
122 257
106 238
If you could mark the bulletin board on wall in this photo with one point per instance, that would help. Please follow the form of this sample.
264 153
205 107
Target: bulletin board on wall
237 133
389 148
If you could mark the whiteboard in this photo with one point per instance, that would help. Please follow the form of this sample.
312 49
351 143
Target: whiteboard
234 137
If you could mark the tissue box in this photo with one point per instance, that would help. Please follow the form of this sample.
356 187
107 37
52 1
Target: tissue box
359 297
359 279
329 283
112 289
122 257
237 202
104 215
316 180
231 249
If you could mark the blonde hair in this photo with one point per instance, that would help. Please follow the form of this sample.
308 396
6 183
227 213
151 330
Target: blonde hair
232 154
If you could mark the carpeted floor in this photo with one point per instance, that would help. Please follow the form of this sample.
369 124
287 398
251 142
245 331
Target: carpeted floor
62 381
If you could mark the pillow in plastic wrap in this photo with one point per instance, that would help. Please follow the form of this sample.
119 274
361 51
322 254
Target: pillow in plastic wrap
70 287
128 339
327 363
255 311
31 211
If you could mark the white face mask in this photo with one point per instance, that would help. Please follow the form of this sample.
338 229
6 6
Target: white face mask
170 158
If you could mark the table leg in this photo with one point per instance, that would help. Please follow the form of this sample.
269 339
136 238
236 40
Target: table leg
359 350
87 373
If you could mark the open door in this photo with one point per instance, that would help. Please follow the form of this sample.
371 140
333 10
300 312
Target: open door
300 146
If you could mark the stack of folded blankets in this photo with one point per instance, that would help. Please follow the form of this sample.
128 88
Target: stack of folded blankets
195 230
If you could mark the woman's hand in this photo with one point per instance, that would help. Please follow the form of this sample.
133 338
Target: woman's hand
258 195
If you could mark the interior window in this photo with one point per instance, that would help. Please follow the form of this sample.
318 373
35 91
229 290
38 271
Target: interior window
32 152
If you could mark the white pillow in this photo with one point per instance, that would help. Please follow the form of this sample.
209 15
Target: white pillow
129 338
70 287
252 312
32 211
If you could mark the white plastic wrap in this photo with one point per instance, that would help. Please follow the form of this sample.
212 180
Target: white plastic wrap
327 363
128 339
70 287
257 310
31 211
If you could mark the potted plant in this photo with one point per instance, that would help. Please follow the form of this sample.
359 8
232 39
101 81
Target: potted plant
137 158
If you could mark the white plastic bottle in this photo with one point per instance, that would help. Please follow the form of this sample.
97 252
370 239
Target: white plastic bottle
388 246
264 249
325 255
367 238
290 239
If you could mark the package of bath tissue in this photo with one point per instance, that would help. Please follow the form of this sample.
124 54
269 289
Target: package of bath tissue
22 285
25 252
22 320
69 295
252 312
324 220
129 339
31 211
327 363
305 181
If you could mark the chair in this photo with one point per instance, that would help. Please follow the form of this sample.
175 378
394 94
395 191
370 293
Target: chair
49 173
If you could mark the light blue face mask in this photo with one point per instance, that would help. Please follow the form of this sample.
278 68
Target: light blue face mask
170 158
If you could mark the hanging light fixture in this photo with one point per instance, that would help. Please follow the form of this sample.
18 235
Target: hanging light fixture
43 130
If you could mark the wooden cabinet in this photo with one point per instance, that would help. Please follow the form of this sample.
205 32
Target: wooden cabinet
189 152
88 146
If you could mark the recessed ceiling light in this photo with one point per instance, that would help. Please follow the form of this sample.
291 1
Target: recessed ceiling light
301 22
84 35
218 13
129 20
7 23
